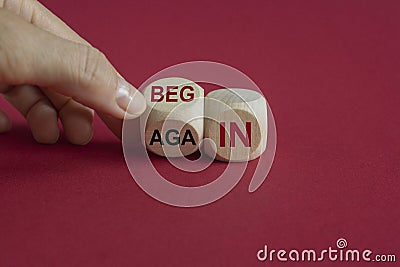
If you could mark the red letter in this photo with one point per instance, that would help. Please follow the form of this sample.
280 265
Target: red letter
159 93
190 95
222 134
234 129
170 92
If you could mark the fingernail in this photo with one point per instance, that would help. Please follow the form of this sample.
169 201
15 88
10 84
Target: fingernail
129 99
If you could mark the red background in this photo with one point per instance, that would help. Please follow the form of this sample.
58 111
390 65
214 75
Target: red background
330 71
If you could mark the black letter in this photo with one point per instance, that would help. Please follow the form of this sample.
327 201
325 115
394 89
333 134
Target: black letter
157 134
191 139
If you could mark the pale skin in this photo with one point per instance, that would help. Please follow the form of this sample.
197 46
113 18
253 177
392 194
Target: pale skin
48 72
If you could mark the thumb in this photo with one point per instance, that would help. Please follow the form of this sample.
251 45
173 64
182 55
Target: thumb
30 55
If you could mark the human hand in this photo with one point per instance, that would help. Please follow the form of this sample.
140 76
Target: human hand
47 71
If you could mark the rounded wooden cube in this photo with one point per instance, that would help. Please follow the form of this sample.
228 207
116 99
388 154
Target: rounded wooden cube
236 120
173 121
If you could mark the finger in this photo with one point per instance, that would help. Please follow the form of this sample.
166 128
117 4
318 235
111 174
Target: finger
77 119
43 120
72 69
5 122
38 111
34 12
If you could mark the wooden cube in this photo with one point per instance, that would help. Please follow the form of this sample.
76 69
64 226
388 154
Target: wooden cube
173 120
236 120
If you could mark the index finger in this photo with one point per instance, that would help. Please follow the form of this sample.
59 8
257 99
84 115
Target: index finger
34 12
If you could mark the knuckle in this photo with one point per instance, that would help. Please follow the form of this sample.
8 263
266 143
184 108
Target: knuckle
42 106
90 66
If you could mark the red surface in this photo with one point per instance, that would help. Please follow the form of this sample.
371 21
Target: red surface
330 71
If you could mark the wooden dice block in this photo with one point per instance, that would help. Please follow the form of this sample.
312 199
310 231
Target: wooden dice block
174 117
236 120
